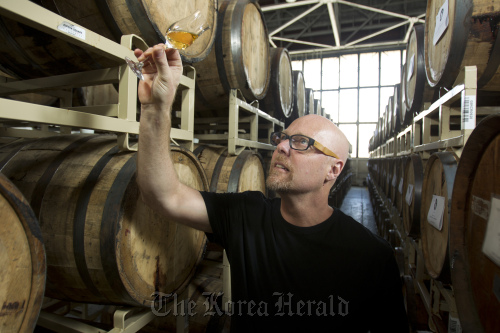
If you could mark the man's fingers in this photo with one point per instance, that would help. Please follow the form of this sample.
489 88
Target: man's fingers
160 58
138 52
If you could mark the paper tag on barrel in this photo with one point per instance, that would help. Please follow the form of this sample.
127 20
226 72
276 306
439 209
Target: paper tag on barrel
409 194
442 21
436 211
454 325
468 113
491 244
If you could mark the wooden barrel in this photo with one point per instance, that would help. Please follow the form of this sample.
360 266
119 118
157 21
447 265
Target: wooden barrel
103 244
299 97
384 128
400 184
309 101
229 173
22 258
103 94
373 165
396 107
372 170
395 176
380 169
412 195
417 89
415 307
389 133
36 98
149 20
387 175
439 176
383 174
195 307
469 40
379 132
279 98
373 139
371 143
317 106
402 90
475 199
238 60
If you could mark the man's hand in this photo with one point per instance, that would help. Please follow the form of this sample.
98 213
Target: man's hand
162 72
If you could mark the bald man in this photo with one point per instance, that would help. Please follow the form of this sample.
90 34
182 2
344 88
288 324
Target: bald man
297 264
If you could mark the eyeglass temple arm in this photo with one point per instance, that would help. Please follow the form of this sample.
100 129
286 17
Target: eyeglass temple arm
325 150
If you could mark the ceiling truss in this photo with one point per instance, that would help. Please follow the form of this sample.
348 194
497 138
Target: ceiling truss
278 23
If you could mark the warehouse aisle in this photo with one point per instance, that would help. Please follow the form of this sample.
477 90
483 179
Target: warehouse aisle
357 204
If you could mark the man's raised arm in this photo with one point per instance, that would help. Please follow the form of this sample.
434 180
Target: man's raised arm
158 182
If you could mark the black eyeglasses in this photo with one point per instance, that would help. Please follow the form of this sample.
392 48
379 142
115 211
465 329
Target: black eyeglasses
300 142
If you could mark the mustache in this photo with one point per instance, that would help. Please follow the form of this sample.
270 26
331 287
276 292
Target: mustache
282 161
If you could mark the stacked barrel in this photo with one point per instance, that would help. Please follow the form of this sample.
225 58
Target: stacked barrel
438 205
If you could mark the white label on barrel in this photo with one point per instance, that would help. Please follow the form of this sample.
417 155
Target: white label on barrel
480 207
411 68
454 325
72 30
400 188
409 194
468 111
491 244
394 181
436 211
442 21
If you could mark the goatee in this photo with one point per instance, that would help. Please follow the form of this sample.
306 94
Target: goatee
278 183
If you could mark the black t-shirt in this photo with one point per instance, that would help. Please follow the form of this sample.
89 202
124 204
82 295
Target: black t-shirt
336 276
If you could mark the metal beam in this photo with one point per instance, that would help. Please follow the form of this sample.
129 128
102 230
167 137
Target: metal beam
373 9
377 33
296 19
353 48
333 21
288 5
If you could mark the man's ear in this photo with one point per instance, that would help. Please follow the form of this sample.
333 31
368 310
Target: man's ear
335 170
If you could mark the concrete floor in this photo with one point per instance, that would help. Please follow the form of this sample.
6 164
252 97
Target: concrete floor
357 205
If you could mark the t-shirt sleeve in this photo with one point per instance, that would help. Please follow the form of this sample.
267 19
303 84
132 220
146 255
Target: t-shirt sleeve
217 215
229 212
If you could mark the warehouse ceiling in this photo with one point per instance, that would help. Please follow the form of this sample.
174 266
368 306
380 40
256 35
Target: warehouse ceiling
315 27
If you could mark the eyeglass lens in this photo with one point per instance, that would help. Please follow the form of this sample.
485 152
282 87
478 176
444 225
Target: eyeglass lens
298 142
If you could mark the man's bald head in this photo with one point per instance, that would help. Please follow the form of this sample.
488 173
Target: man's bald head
324 131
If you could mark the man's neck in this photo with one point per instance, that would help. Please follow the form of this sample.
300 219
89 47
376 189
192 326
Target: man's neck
304 211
